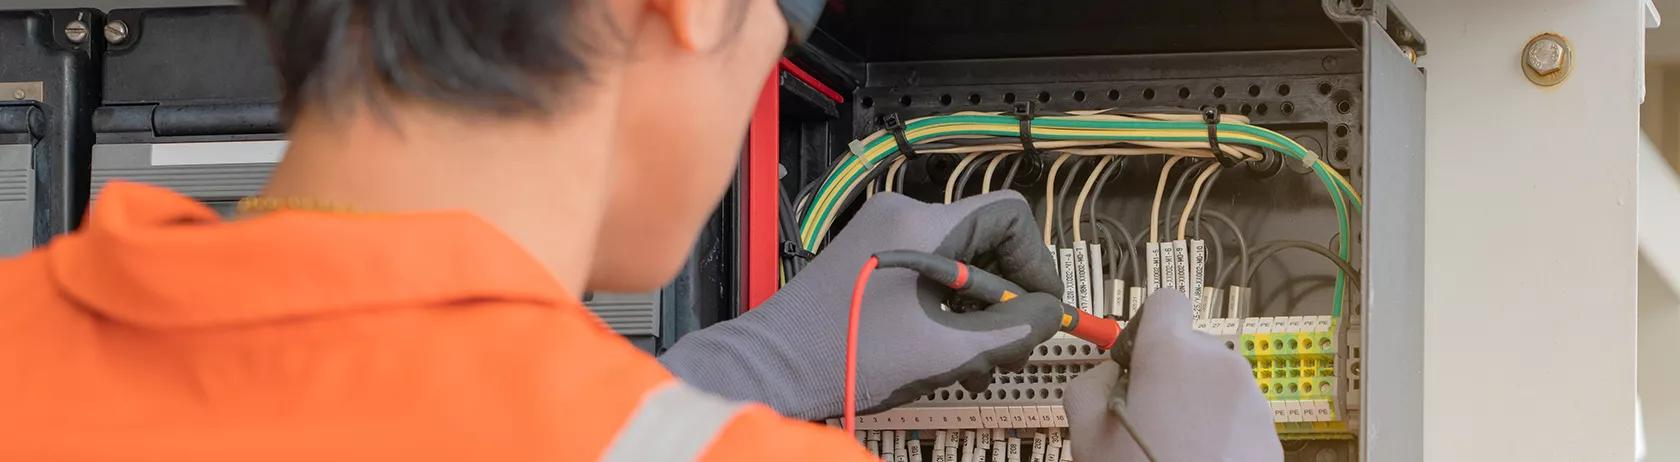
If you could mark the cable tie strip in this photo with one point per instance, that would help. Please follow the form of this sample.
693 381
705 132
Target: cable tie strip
1024 112
1210 116
896 126
856 149
792 249
1310 160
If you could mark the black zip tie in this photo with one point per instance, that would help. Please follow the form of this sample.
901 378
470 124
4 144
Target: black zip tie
896 126
1024 112
1210 116
792 249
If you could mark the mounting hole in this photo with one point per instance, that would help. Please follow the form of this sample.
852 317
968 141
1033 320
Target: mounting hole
1032 393
1288 108
1294 388
1183 92
1044 97
867 102
1283 90
944 100
904 100
1043 350
1253 90
1230 345
1058 393
1341 131
973 98
1277 344
1219 91
1014 394
987 394
1149 93
944 394
1324 88
1245 109
1009 97
1247 345
1264 347
1261 109
1079 95
1114 95
1084 349
1223 109
1344 106
1056 350
1341 154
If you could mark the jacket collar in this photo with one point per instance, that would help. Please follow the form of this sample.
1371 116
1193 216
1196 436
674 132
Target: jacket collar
152 257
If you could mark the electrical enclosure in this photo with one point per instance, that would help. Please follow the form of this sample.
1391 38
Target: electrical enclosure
1338 77
47 87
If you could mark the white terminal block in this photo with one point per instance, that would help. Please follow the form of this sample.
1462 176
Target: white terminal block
1099 290
942 418
1136 295
1197 266
1154 263
1082 275
1070 286
1117 290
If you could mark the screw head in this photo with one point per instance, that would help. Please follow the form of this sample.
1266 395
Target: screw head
1544 56
76 31
19 95
1546 59
116 32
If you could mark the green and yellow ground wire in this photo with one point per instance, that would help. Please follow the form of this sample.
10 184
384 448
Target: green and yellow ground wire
1080 134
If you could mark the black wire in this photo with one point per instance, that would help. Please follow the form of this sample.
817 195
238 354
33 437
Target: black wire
1178 187
1271 249
898 179
1061 195
1119 260
1103 181
1009 178
1207 189
1219 255
1242 243
979 164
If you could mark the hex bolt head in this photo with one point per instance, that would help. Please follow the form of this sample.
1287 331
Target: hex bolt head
76 31
116 32
1544 55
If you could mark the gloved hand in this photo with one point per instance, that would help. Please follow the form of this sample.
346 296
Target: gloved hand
789 352
1189 397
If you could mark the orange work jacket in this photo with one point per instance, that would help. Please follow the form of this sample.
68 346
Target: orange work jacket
158 332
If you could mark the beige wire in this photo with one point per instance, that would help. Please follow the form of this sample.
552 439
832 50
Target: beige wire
892 173
951 182
1155 208
986 183
1050 195
1195 191
1079 203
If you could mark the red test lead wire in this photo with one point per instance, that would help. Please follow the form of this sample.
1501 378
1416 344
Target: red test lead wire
850 406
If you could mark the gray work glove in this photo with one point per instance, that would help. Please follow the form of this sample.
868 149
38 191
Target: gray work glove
1189 398
790 351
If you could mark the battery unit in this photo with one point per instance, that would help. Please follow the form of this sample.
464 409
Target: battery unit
48 76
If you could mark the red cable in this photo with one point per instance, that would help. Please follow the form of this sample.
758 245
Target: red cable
850 405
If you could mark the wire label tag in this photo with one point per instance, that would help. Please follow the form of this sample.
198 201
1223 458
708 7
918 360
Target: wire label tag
1082 274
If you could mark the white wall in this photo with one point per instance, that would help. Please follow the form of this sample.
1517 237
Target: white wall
1530 305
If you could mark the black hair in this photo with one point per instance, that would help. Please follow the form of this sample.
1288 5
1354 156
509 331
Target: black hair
504 57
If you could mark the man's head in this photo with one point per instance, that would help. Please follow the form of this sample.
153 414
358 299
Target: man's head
669 84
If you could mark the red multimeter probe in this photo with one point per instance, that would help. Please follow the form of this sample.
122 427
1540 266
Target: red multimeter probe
968 281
